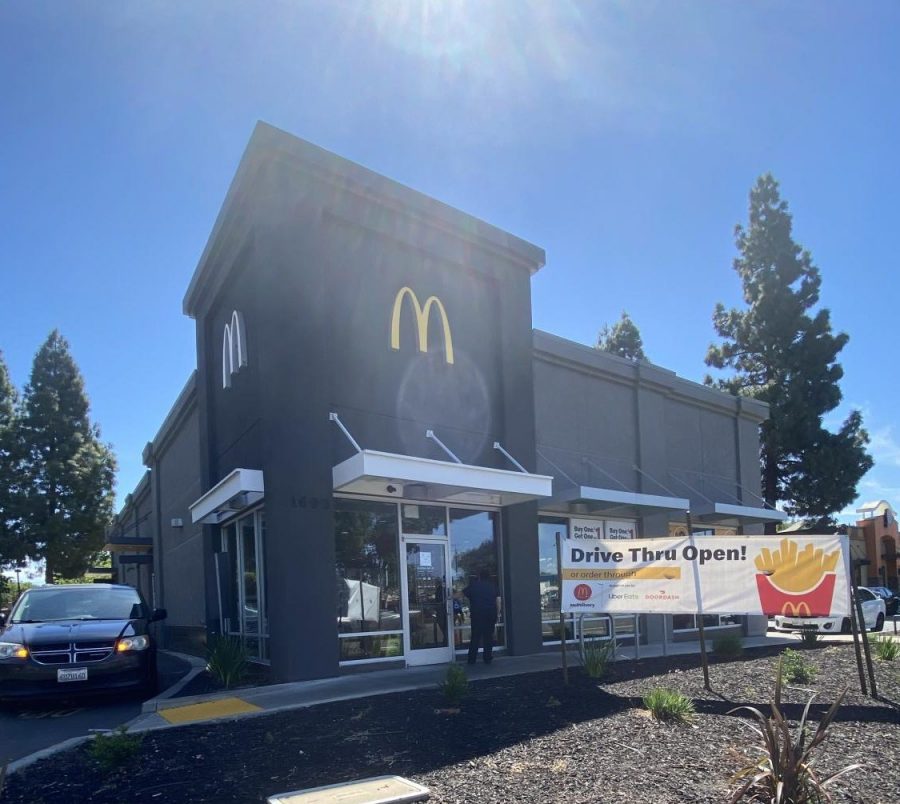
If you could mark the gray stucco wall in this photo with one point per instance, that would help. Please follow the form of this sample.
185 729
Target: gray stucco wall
600 418
174 461
315 251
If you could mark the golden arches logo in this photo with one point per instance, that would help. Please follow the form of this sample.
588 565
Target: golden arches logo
422 316
799 610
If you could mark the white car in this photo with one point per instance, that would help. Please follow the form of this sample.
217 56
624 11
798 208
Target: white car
873 614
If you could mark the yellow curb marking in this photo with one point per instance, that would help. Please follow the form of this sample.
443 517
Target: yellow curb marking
208 710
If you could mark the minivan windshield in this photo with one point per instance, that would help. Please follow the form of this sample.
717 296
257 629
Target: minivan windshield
77 604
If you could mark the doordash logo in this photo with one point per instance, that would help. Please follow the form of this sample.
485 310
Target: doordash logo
422 315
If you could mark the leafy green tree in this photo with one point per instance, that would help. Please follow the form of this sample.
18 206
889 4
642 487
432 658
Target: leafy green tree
69 473
12 545
783 352
623 339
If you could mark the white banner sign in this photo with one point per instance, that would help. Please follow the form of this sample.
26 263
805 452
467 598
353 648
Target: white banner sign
804 576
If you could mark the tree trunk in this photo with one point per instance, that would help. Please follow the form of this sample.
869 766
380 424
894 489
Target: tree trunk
48 571
770 488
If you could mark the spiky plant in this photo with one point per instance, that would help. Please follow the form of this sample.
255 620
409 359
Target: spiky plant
784 773
596 656
455 685
669 705
886 648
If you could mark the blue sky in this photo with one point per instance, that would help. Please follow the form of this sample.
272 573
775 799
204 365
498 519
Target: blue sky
622 137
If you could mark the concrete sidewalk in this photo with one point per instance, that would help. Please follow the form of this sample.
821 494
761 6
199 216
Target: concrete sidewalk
261 700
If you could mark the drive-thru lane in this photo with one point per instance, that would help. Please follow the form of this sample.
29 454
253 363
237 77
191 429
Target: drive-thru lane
26 728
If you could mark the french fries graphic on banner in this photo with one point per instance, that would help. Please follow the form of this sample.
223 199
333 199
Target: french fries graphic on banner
794 582
763 575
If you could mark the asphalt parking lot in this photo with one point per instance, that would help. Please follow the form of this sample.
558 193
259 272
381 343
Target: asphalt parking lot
31 727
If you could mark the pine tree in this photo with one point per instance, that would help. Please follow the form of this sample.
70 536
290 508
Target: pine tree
623 339
784 353
12 546
69 472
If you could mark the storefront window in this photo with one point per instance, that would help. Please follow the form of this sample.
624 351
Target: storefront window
688 622
597 626
475 548
243 603
548 528
424 520
369 612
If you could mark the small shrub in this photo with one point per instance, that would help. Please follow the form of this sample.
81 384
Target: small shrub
114 749
784 772
794 668
669 705
455 686
226 659
596 656
886 648
728 646
809 638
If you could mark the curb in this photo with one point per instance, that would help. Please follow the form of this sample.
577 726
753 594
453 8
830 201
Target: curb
24 762
72 742
198 665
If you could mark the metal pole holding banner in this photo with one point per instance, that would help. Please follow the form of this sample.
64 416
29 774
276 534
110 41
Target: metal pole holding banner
562 616
854 628
861 628
703 657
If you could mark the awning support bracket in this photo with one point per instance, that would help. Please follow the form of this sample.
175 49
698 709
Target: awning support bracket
430 434
606 474
652 479
336 419
554 466
499 447
690 487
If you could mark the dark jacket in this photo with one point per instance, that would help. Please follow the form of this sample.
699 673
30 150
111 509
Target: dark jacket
482 596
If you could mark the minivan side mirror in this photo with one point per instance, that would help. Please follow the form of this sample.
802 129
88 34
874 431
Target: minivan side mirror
158 614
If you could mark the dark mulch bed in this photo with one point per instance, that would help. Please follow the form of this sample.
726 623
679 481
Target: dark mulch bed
524 738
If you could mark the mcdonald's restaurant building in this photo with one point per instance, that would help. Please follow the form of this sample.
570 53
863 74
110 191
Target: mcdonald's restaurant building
373 420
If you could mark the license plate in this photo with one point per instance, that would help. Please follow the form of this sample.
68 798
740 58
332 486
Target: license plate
79 674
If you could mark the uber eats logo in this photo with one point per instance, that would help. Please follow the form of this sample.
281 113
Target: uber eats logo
422 315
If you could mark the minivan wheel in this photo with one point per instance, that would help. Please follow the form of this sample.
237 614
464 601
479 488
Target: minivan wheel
879 623
845 625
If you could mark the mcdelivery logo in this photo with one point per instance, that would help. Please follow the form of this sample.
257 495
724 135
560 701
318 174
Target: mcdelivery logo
583 592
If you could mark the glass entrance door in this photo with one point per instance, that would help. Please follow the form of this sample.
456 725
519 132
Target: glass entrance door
427 602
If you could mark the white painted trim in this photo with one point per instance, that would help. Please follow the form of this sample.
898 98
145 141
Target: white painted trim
712 513
223 499
620 498
410 469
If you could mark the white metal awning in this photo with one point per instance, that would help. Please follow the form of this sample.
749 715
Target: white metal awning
393 475
587 499
234 492
734 515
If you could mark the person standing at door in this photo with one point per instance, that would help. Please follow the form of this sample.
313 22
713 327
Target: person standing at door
484 609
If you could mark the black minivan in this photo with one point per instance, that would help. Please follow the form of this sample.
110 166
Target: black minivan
62 640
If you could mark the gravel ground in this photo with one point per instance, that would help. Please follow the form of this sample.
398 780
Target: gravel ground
524 738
